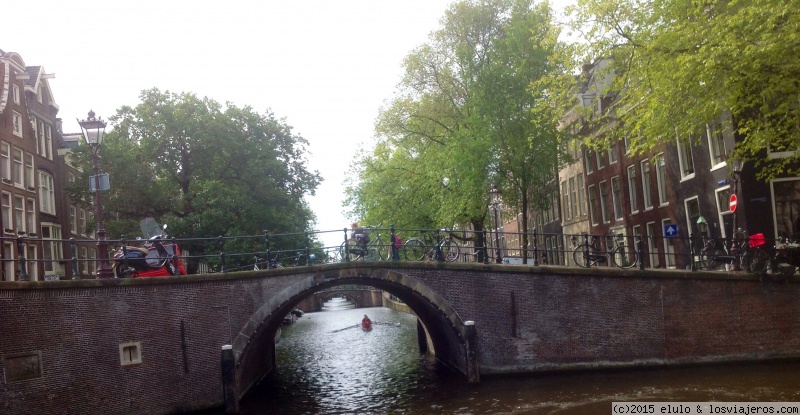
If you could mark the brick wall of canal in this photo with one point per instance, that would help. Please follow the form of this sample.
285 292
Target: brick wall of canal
60 342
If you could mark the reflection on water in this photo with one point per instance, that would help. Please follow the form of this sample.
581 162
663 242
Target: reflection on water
329 365
337 303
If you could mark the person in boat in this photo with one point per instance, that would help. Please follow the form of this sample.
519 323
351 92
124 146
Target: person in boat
366 322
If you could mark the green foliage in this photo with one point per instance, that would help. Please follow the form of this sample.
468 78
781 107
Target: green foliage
205 170
467 113
680 64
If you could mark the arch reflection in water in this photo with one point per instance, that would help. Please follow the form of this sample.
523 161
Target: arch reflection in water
381 372
338 303
323 369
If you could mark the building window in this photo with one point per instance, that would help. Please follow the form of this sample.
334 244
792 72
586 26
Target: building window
716 145
724 210
581 196
601 160
82 222
692 213
565 199
573 197
685 158
661 178
73 220
47 193
6 206
19 214
632 188
16 167
15 93
5 161
652 245
82 257
9 261
603 197
592 204
588 160
648 198
616 196
30 216
32 266
786 207
612 154
29 172
51 241
17 124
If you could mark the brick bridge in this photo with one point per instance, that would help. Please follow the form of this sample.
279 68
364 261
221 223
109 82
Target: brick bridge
160 345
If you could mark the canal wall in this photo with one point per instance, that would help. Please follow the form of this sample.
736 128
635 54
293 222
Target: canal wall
153 346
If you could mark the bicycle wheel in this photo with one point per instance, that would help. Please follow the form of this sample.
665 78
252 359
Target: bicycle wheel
381 249
624 257
580 255
755 261
708 258
450 250
414 250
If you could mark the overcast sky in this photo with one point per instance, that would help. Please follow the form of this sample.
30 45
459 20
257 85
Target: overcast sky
324 66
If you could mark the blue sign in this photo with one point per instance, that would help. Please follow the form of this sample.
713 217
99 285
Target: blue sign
671 230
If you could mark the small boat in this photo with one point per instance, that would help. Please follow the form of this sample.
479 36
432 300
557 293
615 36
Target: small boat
366 323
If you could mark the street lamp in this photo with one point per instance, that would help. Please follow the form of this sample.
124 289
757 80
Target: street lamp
494 197
702 226
93 130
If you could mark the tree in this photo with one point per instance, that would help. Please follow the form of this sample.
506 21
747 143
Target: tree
463 118
207 171
680 64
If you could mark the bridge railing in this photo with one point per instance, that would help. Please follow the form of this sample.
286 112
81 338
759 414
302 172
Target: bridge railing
29 257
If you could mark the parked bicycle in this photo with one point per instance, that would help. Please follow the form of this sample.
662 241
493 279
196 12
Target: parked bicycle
589 254
377 249
433 246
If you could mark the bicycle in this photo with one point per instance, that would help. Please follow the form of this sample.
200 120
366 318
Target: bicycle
376 248
589 254
715 253
435 248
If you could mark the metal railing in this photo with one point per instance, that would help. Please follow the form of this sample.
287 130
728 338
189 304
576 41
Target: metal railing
21 260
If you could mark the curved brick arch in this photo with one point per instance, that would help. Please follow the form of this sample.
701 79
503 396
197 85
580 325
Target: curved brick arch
254 344
347 296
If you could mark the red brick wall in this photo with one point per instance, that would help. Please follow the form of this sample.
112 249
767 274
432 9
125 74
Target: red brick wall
565 318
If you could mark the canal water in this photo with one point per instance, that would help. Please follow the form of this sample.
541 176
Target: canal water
329 365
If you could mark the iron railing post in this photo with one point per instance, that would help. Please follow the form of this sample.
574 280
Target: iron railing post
535 247
222 253
75 271
639 251
23 275
586 251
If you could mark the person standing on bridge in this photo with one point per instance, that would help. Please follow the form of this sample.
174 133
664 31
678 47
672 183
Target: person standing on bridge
361 236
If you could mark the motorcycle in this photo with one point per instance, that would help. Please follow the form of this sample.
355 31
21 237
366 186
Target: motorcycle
153 259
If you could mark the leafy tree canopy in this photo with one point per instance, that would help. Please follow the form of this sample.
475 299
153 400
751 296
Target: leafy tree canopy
681 64
466 114
204 169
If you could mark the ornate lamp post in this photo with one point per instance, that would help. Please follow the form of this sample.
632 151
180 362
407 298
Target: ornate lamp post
494 197
93 130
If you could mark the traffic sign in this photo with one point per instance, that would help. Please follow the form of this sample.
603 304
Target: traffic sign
671 230
733 203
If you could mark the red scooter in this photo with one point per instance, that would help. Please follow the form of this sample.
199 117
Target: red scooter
153 259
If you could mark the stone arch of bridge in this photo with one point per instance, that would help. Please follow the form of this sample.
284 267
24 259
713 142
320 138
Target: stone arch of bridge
254 346
327 296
